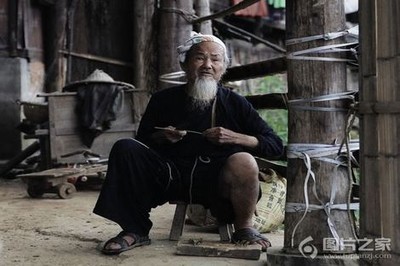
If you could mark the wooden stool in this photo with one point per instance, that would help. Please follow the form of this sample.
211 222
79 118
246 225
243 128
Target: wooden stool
178 223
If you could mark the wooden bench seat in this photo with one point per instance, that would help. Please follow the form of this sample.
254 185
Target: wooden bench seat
178 223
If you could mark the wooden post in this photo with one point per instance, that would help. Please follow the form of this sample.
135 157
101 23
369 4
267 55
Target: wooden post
13 28
379 131
55 28
144 53
306 232
202 8
173 30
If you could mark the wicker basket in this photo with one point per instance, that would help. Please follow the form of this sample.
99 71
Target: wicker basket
35 112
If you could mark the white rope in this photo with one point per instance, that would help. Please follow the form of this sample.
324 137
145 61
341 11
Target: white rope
317 151
327 36
333 48
297 150
171 77
309 174
301 207
334 96
297 103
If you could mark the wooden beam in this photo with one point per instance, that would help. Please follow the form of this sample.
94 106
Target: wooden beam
97 58
268 101
252 36
255 70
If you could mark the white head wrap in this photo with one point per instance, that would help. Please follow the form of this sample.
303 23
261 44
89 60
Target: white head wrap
196 38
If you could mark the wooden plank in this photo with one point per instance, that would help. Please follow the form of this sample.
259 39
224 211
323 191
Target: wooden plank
218 249
54 173
83 170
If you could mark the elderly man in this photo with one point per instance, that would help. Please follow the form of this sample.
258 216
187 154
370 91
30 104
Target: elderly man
195 143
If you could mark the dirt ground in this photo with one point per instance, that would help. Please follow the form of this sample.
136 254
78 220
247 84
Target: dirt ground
53 231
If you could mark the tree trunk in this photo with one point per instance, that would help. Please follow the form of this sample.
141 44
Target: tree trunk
173 31
307 79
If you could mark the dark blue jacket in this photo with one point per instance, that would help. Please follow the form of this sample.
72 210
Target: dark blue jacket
171 107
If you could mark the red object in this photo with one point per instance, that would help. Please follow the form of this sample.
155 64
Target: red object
258 9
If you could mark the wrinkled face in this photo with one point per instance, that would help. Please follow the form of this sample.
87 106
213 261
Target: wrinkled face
204 60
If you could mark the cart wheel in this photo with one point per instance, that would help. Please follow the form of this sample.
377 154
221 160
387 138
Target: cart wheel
35 192
65 190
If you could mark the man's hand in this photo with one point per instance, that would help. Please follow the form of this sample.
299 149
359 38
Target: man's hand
168 135
221 135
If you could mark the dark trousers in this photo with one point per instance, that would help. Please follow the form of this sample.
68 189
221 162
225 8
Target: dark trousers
139 179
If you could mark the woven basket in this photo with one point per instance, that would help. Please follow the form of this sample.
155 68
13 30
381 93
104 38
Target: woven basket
270 208
35 112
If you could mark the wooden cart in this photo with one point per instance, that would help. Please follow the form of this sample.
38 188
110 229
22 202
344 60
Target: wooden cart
60 180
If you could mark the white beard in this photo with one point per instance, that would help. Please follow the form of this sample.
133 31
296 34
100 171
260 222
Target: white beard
202 92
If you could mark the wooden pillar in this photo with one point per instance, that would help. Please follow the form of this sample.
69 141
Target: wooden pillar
55 31
144 53
173 30
202 8
306 232
380 131
144 43
13 27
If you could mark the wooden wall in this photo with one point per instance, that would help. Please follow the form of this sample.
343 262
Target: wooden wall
101 36
380 127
